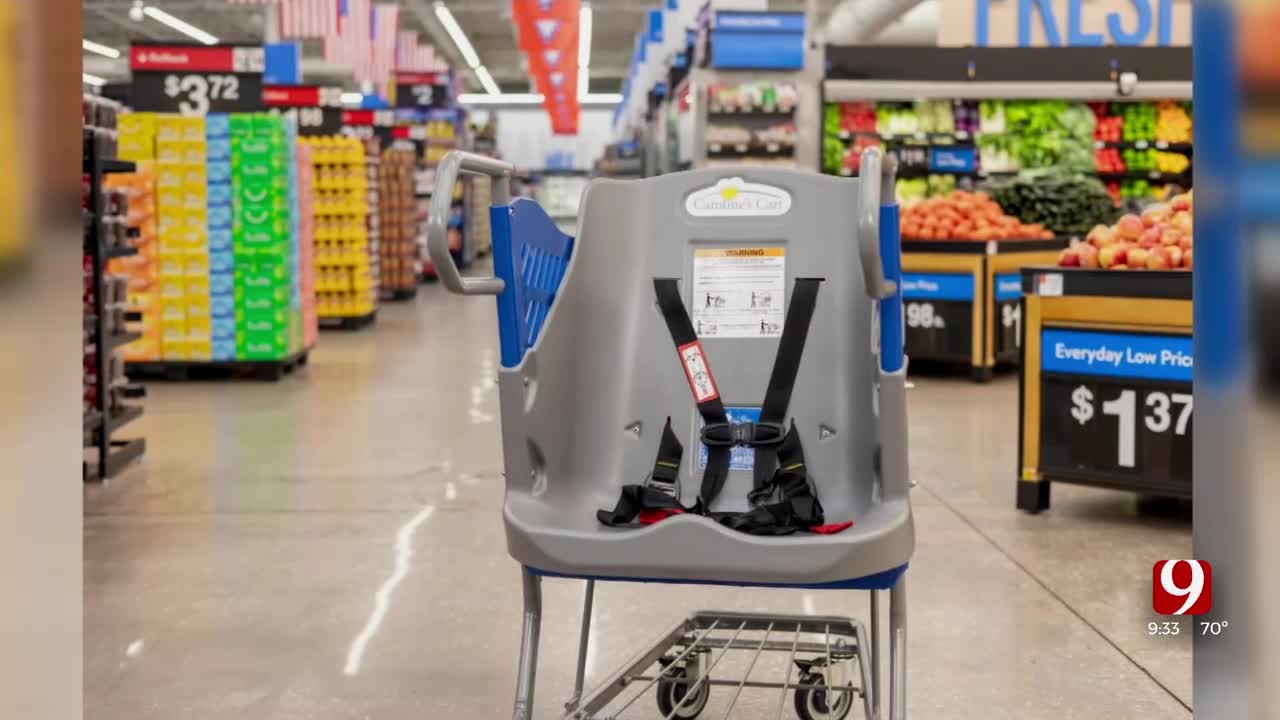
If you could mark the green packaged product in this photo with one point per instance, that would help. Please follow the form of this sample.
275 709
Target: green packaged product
261 299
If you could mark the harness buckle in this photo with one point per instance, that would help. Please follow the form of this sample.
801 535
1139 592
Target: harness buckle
748 434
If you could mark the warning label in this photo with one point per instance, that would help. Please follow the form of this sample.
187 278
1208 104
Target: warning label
738 292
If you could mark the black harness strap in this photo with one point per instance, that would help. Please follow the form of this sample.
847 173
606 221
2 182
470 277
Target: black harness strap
782 497
694 361
786 365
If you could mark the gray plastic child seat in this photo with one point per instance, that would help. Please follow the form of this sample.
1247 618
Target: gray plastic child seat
583 411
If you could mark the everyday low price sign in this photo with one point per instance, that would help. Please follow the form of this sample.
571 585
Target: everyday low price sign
1117 404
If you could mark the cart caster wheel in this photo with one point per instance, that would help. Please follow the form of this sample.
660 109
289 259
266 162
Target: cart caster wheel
672 691
818 703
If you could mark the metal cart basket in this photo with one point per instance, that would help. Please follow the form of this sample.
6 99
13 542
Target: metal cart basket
588 385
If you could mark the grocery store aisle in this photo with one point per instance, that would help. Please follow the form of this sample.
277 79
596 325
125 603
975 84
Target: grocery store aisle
331 548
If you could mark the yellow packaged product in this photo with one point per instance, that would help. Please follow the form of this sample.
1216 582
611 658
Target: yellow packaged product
193 129
171 128
175 349
169 152
136 123
136 148
170 267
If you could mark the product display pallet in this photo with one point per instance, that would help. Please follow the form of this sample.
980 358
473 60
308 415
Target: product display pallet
399 294
961 299
182 371
1105 384
353 322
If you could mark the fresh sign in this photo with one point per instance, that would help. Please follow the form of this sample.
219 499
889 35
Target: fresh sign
1064 23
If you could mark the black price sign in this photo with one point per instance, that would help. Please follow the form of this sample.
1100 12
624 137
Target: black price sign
423 90
938 329
1007 317
1117 426
314 110
197 80
938 314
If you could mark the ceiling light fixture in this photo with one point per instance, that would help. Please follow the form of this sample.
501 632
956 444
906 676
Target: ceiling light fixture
100 49
486 81
181 26
93 80
584 50
136 13
455 33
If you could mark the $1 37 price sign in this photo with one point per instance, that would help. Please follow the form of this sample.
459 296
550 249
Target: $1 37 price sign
1109 426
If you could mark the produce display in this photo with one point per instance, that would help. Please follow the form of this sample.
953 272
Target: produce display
919 188
752 96
966 216
1066 203
1160 239
1141 149
1041 133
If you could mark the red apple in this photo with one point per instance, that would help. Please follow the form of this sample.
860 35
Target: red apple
1069 257
1122 253
1159 259
1138 257
1088 256
1184 223
1175 255
1187 259
1155 215
1095 235
1149 238
1185 242
1120 266
1170 236
1129 227
1107 255
1180 203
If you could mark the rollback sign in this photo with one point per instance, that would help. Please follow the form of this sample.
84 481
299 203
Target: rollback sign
197 79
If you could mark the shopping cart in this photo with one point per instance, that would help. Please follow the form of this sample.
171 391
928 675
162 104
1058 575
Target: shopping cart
588 389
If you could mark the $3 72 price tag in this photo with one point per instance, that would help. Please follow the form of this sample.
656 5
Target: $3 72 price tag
197 92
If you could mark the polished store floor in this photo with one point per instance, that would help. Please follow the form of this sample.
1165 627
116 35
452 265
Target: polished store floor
330 547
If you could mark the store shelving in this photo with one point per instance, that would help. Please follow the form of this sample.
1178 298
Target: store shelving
107 391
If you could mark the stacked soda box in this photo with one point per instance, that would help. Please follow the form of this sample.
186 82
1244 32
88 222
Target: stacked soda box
345 283
183 257
306 221
266 290
221 246
141 269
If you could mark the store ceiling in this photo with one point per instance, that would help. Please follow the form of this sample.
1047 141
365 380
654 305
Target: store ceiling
486 22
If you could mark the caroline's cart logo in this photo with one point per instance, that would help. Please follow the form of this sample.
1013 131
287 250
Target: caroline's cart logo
733 197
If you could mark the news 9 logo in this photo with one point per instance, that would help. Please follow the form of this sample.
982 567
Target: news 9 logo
1182 587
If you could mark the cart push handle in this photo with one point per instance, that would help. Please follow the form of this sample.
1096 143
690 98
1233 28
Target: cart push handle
880 245
453 163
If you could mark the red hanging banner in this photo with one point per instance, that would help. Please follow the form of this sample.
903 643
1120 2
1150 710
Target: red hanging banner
548 35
